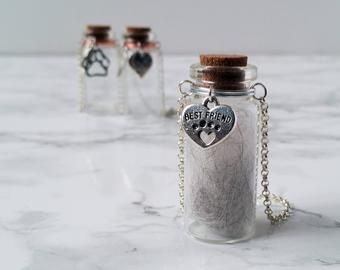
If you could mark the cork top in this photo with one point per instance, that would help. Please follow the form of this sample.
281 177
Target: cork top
137 35
224 60
227 72
138 30
100 32
95 28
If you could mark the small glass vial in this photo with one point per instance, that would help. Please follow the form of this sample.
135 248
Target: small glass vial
141 72
220 172
99 56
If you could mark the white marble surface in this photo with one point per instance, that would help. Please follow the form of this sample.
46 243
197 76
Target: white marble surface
84 192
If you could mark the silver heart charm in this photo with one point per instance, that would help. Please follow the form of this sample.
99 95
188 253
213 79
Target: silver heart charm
207 126
140 62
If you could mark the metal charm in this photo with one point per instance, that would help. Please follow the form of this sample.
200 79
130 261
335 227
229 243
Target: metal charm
140 62
96 63
207 126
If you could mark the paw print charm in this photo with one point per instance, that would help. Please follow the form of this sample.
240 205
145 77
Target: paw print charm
96 63
207 126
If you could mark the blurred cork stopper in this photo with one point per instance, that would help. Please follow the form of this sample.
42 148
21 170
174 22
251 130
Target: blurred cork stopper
100 32
138 30
98 28
138 33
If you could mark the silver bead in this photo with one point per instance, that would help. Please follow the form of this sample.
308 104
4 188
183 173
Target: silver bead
268 211
265 193
267 203
265 183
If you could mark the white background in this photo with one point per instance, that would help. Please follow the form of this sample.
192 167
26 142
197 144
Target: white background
264 26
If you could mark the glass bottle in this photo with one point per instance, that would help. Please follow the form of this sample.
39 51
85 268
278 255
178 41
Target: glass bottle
141 72
220 174
99 56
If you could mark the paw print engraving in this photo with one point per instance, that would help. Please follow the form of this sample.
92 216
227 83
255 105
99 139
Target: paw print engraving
96 63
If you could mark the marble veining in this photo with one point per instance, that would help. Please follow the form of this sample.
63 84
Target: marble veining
86 192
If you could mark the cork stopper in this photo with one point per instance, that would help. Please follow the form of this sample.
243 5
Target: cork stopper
98 28
137 34
224 60
138 30
224 71
100 32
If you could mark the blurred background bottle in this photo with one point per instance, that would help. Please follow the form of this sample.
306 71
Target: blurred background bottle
99 58
141 72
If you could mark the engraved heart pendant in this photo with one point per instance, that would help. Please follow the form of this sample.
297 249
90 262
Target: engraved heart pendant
207 126
140 62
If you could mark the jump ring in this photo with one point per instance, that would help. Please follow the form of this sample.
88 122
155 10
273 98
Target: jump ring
210 94
264 89
180 87
211 99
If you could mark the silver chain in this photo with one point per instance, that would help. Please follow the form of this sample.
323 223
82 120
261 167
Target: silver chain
160 76
82 78
181 153
267 197
81 81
